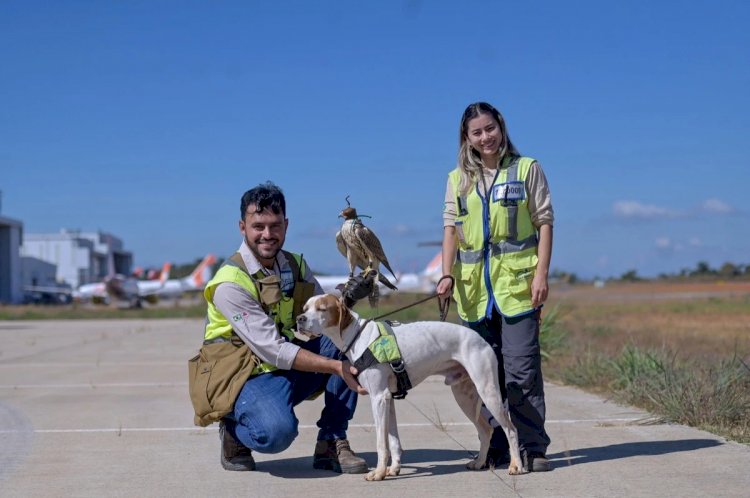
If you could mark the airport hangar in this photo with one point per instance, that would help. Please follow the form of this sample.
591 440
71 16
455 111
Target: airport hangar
11 234
70 258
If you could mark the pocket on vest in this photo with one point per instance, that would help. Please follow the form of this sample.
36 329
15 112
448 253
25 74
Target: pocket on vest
216 376
518 275
468 283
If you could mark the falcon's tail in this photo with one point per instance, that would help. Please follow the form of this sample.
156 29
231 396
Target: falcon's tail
383 280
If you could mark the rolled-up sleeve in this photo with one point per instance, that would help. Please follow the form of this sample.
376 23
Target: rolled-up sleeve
253 326
540 199
449 206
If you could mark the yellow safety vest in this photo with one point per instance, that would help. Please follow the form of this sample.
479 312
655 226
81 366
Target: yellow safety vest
218 326
497 244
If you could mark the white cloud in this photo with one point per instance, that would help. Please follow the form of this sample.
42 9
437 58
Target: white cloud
695 242
401 229
667 245
663 243
716 206
637 211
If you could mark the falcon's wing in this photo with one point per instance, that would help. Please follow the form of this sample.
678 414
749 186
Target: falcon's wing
371 241
357 257
361 263
341 244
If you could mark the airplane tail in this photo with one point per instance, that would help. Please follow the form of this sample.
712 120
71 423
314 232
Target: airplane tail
202 273
434 268
425 280
164 275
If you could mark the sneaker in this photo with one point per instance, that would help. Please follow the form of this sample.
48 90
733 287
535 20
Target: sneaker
337 455
536 461
234 455
497 457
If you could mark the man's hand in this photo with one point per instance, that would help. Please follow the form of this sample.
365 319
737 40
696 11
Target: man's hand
348 373
358 287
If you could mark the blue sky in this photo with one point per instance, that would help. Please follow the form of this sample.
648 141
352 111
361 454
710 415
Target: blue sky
149 119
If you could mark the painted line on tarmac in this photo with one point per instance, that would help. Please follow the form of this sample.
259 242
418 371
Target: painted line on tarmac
360 426
93 364
93 385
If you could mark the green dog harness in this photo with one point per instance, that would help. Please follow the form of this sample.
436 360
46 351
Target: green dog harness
384 349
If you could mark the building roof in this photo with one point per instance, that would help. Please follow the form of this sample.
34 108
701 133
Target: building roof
10 222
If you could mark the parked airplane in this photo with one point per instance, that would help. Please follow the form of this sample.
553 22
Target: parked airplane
194 282
423 282
116 287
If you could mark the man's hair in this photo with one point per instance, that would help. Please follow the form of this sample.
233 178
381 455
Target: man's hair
264 196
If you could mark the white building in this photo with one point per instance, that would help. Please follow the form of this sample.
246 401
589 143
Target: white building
80 257
10 262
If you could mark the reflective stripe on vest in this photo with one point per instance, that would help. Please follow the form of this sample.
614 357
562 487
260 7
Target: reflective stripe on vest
219 327
497 244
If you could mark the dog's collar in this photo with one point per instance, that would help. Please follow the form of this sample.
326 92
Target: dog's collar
356 334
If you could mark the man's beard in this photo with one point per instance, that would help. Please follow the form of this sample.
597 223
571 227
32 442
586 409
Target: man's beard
256 252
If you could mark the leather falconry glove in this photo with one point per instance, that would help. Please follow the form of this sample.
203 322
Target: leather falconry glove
357 287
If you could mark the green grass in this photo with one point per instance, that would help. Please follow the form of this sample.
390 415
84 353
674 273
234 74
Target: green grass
552 336
714 397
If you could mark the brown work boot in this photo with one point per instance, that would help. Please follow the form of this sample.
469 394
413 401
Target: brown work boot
234 455
337 455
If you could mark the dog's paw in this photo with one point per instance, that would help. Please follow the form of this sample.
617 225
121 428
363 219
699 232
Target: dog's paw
475 465
375 475
394 470
515 469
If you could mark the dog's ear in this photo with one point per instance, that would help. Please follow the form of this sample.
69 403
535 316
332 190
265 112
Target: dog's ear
345 317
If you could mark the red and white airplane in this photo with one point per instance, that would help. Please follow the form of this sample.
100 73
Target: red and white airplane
196 281
119 288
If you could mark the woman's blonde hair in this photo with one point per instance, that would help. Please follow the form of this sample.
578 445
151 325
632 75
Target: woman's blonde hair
469 160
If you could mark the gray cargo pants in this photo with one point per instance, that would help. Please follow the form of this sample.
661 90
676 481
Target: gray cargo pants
516 345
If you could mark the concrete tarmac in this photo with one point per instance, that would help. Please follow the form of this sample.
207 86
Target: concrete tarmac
100 408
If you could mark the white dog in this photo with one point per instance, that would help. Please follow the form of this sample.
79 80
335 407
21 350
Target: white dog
427 348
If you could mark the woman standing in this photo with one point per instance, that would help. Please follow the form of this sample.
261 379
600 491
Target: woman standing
497 244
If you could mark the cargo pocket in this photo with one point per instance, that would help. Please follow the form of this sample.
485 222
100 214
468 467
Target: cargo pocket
519 275
217 375
199 372
467 288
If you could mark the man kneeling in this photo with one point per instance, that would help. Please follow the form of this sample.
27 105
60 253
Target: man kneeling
255 296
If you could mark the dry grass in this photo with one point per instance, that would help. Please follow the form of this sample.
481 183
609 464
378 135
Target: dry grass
680 350
694 325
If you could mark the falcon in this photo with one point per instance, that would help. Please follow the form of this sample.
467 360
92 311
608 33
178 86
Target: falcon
362 249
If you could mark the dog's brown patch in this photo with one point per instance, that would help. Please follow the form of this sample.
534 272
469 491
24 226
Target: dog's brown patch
345 318
336 313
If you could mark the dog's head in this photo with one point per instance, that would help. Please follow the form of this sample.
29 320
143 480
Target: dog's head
324 315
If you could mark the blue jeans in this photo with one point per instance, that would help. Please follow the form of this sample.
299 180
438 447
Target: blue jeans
263 418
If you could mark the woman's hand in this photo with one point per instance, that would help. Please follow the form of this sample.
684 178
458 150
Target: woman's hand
539 290
444 287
